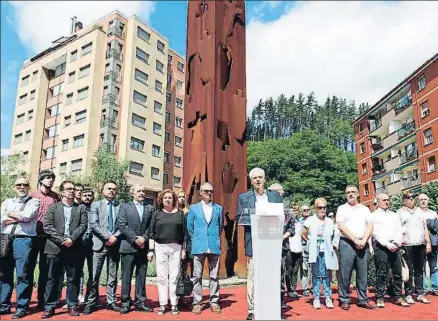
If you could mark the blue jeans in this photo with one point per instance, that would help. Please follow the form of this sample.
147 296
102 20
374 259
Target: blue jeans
433 266
19 258
320 273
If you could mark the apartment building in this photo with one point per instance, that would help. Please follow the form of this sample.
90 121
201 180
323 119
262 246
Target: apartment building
114 85
397 138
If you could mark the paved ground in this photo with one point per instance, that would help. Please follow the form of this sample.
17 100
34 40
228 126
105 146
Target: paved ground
233 302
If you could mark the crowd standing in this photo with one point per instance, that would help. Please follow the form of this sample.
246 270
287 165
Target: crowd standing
62 231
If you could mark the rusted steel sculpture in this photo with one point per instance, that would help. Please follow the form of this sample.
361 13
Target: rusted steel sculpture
215 113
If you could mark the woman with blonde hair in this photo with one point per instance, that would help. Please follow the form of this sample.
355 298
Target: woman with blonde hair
319 231
167 233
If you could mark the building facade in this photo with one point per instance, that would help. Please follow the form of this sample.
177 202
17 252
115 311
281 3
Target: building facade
397 138
109 86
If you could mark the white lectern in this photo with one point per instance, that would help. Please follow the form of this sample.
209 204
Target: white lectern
267 225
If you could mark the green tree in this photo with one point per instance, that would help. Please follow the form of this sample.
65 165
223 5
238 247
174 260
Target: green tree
431 190
10 171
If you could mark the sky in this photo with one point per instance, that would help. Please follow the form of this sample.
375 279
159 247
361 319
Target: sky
355 50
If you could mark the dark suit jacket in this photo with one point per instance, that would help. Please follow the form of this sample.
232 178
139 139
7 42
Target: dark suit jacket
130 227
54 225
248 200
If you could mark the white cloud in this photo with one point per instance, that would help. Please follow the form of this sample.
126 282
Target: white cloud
39 23
356 50
5 152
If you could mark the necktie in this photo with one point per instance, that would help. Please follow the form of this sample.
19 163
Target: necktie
110 217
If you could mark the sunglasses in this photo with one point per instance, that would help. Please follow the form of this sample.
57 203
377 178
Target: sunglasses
208 191
21 185
306 210
410 197
321 207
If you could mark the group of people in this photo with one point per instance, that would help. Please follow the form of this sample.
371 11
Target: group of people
63 231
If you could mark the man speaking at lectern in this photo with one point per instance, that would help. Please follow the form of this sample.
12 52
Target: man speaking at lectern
248 200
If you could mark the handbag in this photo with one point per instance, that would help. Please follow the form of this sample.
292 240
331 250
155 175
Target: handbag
405 271
184 286
6 240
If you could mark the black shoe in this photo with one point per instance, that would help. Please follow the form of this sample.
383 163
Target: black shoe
113 307
250 316
19 314
48 314
143 308
294 295
5 311
366 306
88 310
124 310
73 312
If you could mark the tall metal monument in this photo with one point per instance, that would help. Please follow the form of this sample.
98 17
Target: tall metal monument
215 114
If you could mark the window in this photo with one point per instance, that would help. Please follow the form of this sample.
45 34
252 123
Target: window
137 144
136 168
87 48
180 66
63 168
26 155
155 150
366 190
431 164
178 122
421 83
30 114
69 99
361 127
158 107
23 99
155 173
78 141
84 71
25 80
18 138
76 165
60 70
362 148
425 109
168 96
64 144
140 99
138 121
55 110
157 129
364 169
178 141
165 178
179 103
143 35
27 135
177 181
143 56
179 84
428 136
53 131
81 116
169 59
141 76
166 157
67 121
159 66
34 75
71 77
20 119
166 136
73 55
158 86
32 94
177 161
82 93
160 46
169 78
57 90
50 152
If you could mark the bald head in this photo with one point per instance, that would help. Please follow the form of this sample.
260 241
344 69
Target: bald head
423 199
21 186
383 201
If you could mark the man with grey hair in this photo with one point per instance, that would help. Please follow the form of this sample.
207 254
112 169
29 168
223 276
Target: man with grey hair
248 200
205 225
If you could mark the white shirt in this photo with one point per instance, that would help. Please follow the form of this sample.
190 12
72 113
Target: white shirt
428 214
355 218
296 246
261 198
387 228
208 210
28 218
413 222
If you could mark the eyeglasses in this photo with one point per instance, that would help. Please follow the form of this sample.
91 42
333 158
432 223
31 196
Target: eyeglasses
208 191
321 207
69 189
305 210
22 185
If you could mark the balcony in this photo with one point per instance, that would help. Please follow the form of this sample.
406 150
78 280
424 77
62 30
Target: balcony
408 156
394 188
376 144
376 124
392 164
402 104
115 31
378 170
110 99
107 147
383 190
109 122
112 75
114 53
405 130
409 182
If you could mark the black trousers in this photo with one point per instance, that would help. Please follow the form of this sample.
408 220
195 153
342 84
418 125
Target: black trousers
385 259
137 260
69 260
415 258
296 259
38 246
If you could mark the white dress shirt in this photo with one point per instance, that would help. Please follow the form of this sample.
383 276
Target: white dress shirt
28 216
387 228
262 198
355 218
208 213
413 222
428 214
296 246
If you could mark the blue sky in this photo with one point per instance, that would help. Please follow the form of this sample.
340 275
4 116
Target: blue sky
169 18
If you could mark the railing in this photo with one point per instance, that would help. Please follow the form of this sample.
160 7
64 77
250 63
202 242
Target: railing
112 75
114 53
376 144
109 122
408 182
108 147
378 170
406 130
111 99
115 31
383 190
376 124
408 156
402 103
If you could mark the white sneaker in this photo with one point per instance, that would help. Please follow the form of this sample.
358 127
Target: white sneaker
329 303
316 304
423 299
65 306
81 298
409 299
